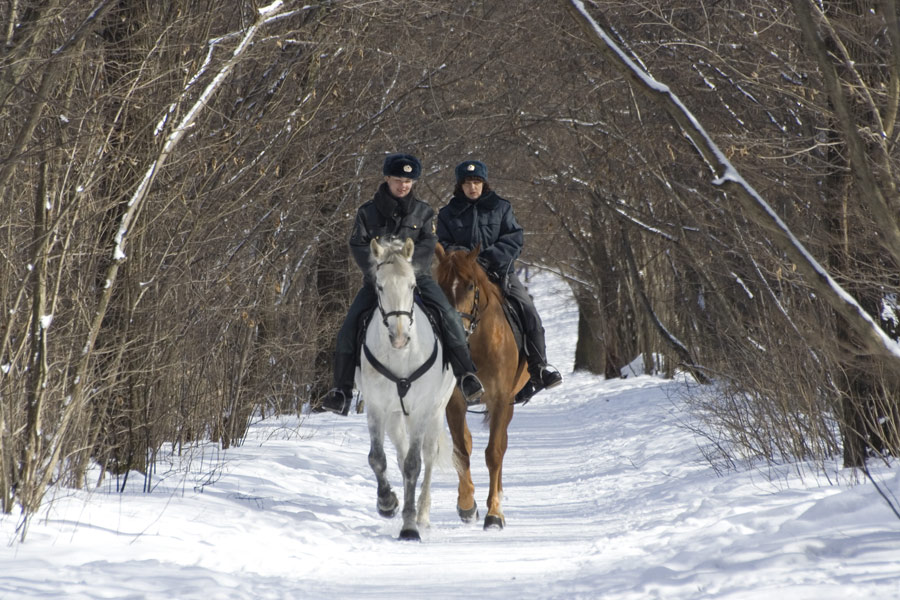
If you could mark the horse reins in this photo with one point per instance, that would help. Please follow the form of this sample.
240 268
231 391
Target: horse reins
473 319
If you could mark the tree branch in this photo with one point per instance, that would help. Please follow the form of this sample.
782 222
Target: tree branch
873 338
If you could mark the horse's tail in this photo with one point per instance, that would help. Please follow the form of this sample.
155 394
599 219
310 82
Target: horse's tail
443 459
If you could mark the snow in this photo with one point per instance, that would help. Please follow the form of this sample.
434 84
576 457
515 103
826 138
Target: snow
607 495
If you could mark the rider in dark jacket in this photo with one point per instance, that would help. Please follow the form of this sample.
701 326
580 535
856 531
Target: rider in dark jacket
396 212
476 215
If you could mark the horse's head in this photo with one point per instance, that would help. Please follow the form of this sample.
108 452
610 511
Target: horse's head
464 282
395 283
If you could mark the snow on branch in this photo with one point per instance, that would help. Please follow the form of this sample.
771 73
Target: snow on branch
187 121
136 200
730 180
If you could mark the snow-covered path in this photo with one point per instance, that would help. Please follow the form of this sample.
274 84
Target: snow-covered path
606 496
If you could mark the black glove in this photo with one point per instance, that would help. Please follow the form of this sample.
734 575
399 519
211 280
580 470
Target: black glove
504 284
501 280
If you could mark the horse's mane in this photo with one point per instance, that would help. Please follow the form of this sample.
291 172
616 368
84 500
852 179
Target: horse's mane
393 248
456 263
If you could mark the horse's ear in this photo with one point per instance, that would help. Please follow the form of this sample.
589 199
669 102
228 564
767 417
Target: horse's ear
439 251
408 248
376 248
473 253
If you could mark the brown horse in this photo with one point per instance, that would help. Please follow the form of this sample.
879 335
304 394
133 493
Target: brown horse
500 368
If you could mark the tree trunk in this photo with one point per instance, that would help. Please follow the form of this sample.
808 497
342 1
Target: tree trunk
590 349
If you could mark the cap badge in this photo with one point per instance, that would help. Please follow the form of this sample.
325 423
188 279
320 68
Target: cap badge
407 168
470 168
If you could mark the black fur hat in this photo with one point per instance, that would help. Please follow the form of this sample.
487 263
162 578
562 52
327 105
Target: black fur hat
402 165
471 168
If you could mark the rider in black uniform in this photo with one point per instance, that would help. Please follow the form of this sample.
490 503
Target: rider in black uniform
396 212
476 215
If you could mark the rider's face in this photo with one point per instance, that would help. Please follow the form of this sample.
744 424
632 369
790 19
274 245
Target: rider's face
399 186
472 188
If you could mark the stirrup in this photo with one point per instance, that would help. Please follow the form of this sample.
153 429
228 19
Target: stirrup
549 377
337 401
471 393
526 393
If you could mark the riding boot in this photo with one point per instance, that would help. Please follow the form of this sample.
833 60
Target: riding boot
339 397
464 370
543 375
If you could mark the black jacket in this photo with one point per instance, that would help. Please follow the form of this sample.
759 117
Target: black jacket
385 216
488 221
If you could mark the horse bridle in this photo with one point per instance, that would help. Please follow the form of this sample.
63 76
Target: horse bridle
472 317
403 383
394 313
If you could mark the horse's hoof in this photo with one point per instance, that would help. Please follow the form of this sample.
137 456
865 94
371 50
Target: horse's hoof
468 515
409 535
388 508
494 522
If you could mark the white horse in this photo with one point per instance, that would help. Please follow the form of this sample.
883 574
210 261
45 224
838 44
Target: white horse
405 386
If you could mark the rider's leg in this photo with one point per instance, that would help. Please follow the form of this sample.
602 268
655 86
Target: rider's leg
454 340
338 398
543 375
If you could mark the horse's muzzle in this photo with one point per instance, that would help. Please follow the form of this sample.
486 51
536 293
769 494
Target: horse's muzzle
399 341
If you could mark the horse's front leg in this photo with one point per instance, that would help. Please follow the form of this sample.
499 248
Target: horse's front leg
423 509
411 468
387 500
493 456
462 450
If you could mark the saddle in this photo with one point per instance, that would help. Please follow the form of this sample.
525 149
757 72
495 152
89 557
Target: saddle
512 311
434 317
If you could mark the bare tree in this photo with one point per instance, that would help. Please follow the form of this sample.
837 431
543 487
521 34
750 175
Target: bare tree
766 336
179 180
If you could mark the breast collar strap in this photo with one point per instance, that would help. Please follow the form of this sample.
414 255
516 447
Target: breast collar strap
403 384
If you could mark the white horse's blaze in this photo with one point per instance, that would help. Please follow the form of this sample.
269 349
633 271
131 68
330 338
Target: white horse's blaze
403 342
399 338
